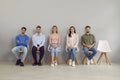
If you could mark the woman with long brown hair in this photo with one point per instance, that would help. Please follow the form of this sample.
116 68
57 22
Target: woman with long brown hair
72 45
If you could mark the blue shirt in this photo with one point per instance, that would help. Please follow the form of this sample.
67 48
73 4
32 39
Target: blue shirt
22 40
38 39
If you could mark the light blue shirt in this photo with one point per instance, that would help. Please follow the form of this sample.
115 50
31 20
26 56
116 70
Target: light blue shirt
38 39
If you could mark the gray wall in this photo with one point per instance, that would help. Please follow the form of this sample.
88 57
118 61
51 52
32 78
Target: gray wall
102 15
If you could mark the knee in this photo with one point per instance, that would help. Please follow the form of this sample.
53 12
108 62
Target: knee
68 49
34 48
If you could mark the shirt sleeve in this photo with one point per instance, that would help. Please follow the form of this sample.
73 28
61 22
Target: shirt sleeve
67 42
33 40
18 42
26 41
77 41
94 40
43 41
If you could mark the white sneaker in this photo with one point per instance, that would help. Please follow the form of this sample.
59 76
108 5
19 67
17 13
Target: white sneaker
88 62
56 63
91 61
73 64
52 64
70 62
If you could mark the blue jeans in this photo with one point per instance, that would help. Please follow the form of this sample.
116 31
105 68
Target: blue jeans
72 53
89 55
23 49
55 51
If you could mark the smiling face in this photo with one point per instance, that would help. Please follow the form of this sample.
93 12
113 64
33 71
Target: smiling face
87 30
72 30
23 30
54 29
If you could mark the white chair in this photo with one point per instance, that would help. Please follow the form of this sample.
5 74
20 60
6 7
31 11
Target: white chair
104 48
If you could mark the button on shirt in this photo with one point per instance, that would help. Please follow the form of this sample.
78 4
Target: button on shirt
38 39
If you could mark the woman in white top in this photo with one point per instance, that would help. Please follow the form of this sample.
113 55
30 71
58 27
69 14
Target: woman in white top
72 45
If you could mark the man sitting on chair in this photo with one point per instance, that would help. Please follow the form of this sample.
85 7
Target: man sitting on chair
88 42
38 40
22 41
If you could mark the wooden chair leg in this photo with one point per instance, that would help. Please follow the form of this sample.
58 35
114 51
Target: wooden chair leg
67 61
84 60
94 61
107 59
76 61
100 58
26 60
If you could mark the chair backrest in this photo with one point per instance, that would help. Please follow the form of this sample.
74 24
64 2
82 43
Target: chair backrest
103 46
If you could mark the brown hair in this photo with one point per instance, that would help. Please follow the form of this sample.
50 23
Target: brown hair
87 27
70 31
24 28
38 27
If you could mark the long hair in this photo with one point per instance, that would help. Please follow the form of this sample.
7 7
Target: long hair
54 26
70 31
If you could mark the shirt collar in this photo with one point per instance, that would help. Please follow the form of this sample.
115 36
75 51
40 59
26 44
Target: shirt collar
38 34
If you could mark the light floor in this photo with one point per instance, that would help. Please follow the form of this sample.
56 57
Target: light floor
8 71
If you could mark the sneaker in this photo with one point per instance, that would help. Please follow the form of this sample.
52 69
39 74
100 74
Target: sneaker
70 62
21 64
56 63
73 64
52 64
18 62
88 62
91 61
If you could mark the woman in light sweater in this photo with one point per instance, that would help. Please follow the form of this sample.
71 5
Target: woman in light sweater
72 45
54 42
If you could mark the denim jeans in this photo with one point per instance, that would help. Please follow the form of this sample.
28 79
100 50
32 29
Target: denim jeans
23 49
72 53
89 55
55 51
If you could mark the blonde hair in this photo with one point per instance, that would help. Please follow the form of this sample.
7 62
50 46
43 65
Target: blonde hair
54 26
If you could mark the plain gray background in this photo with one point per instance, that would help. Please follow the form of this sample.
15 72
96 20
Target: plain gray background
102 15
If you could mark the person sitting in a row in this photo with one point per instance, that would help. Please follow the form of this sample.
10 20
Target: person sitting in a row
38 40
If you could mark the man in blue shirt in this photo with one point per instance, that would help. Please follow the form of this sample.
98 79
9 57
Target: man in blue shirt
22 42
38 40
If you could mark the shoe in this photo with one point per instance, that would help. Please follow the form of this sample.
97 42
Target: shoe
70 62
88 62
73 64
91 61
39 64
55 63
21 64
34 64
52 64
18 62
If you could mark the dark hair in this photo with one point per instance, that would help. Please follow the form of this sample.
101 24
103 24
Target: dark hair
24 28
70 31
54 26
87 27
38 27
